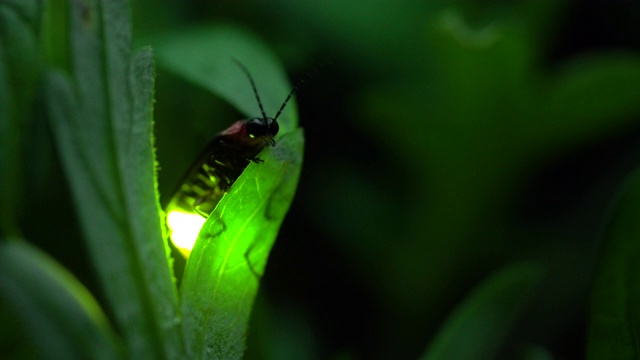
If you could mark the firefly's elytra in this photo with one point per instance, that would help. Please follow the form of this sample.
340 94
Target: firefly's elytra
218 166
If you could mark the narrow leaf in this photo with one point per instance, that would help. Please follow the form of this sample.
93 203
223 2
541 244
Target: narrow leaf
136 152
614 324
62 318
478 327
102 122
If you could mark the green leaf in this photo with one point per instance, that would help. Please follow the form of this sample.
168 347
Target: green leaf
614 323
479 325
102 123
63 319
205 56
20 69
590 95
222 275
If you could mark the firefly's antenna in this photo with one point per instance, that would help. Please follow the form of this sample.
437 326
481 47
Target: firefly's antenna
255 91
293 91
253 85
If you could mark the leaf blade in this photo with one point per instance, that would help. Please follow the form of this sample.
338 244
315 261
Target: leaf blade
614 319
102 122
142 201
63 319
477 327
220 282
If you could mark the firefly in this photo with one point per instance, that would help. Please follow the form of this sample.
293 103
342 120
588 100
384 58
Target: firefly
217 167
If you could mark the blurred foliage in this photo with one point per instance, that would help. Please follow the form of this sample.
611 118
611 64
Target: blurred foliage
20 68
616 289
483 321
54 308
445 141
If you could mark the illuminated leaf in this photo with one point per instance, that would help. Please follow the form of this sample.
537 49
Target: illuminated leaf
222 275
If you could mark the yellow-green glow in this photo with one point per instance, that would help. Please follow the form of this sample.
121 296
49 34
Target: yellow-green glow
184 228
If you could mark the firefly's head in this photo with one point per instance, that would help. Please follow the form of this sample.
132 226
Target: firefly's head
263 128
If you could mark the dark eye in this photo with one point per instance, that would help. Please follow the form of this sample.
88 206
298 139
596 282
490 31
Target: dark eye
259 127
273 128
256 128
